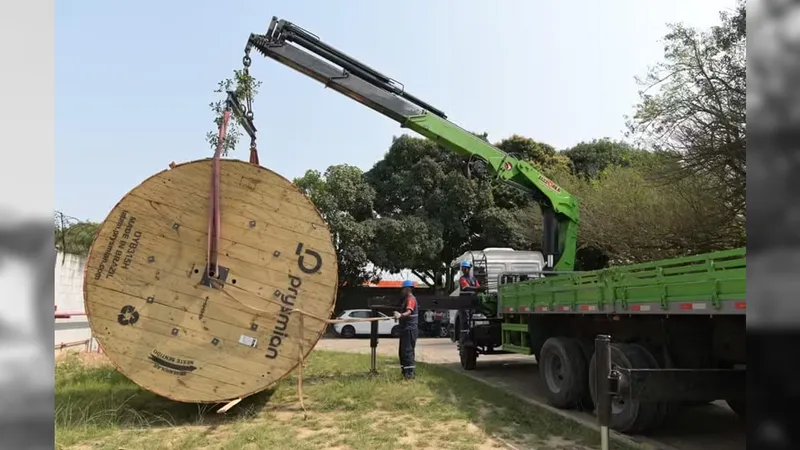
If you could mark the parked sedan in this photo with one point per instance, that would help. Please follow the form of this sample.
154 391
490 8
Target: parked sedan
353 329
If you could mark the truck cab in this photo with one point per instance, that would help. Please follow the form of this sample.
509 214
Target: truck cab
494 266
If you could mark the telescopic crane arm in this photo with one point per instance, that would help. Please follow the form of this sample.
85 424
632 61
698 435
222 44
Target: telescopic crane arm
301 50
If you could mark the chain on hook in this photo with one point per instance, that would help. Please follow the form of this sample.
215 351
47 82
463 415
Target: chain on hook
246 61
248 113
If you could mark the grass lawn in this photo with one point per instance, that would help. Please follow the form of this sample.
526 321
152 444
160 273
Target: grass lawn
98 408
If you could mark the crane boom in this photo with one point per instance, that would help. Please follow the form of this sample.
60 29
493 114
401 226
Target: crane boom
303 51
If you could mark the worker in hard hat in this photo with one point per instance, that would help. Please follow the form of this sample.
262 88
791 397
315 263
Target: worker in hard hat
467 282
409 328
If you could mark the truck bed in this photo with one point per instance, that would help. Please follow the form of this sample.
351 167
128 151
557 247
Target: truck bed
711 283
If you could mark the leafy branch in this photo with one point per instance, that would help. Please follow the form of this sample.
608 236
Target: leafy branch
244 86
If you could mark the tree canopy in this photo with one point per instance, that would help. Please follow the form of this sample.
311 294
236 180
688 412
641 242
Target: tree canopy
590 159
73 236
345 201
693 107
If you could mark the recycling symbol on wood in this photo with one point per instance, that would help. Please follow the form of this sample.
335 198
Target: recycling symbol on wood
128 315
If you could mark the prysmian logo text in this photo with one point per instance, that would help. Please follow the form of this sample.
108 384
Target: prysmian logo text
279 332
289 298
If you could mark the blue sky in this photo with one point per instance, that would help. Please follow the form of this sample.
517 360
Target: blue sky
134 79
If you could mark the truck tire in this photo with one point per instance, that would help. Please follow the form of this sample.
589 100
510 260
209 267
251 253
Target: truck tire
586 404
631 415
563 368
469 356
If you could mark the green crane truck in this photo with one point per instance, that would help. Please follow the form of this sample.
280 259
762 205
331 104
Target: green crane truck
678 325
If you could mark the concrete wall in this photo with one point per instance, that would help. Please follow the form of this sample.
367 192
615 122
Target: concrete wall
69 299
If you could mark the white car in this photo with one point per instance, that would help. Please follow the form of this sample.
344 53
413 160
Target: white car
353 329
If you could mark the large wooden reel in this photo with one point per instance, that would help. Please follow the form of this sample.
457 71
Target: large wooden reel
165 328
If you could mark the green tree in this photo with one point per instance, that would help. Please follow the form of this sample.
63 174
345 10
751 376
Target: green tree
430 213
345 201
74 236
245 86
693 107
590 158
426 207
542 156
629 215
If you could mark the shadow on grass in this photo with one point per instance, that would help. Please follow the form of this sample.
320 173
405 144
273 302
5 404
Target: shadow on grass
99 397
438 397
502 414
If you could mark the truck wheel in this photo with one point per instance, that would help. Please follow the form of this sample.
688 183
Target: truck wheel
739 407
469 356
586 403
564 370
630 415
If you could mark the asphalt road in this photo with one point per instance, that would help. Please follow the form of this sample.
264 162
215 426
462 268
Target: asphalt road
708 427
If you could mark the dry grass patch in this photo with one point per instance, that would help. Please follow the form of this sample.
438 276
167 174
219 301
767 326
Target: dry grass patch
97 408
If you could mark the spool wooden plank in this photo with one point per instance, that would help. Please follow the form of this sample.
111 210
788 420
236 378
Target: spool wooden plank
161 322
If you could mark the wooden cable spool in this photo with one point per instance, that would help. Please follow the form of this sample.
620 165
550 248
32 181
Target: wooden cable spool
168 328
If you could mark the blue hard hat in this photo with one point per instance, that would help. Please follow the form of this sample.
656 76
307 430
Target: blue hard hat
466 264
408 283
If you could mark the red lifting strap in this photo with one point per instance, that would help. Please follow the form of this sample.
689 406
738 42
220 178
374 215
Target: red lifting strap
214 222
214 216
253 154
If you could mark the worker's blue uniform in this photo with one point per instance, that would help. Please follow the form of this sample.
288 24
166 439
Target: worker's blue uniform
409 329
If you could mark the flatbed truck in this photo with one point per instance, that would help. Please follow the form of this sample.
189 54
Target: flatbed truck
678 325
679 329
